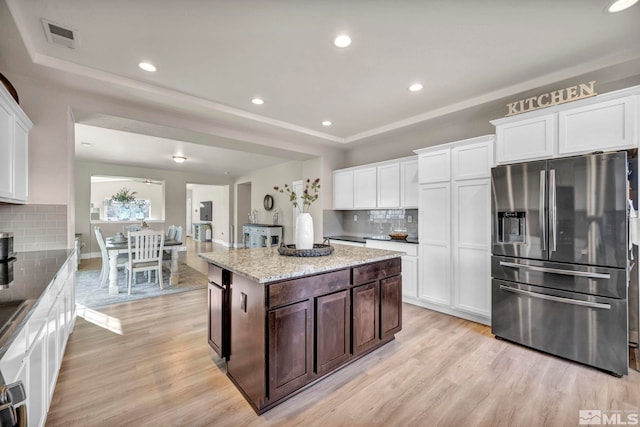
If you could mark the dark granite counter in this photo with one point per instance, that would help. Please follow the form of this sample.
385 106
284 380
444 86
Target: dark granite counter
24 281
357 239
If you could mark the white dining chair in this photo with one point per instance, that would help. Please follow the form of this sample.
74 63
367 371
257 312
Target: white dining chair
178 236
121 260
145 254
171 232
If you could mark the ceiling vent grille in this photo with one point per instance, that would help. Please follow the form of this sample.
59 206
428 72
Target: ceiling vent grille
57 34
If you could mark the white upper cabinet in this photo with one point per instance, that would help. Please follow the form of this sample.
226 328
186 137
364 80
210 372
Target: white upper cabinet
21 161
529 139
609 125
389 185
473 161
605 122
6 152
14 149
365 188
343 189
409 188
435 166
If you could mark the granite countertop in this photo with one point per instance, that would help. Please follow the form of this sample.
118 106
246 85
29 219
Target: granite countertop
412 240
266 265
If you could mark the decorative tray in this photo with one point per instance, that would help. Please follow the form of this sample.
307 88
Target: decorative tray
399 236
318 250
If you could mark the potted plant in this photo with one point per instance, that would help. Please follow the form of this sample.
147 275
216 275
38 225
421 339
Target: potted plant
304 221
124 196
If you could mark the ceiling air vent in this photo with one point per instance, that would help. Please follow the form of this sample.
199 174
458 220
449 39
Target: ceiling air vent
60 35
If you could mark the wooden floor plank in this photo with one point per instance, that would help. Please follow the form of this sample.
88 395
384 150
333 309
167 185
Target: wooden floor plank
440 370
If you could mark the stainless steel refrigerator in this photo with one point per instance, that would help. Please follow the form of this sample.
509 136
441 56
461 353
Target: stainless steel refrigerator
560 257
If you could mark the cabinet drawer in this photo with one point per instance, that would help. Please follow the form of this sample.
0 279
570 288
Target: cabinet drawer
291 291
215 274
377 270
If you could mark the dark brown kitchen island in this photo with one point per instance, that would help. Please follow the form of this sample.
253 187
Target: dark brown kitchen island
282 323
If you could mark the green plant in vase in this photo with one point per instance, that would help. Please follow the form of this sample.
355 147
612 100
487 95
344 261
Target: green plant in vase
124 196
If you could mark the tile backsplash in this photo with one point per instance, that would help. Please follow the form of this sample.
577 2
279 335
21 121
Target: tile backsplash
35 227
370 222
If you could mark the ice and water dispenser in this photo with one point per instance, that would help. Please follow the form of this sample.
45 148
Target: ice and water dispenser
512 226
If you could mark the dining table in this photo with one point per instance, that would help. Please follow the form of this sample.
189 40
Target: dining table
114 247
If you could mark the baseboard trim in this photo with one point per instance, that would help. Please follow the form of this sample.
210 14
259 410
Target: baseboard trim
447 310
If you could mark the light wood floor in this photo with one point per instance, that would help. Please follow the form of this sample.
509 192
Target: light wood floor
441 370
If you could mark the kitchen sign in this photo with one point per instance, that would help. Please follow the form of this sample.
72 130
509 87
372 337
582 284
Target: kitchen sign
572 93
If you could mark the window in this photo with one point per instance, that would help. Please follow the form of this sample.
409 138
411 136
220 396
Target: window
147 203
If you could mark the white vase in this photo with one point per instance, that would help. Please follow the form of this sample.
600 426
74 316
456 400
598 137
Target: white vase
304 231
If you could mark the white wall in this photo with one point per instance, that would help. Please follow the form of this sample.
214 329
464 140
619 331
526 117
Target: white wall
262 183
220 198
175 193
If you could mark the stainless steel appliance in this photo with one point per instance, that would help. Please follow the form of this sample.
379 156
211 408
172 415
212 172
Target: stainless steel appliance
560 263
13 410
6 245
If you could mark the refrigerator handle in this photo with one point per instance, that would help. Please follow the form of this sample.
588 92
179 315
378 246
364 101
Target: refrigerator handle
542 219
555 298
553 214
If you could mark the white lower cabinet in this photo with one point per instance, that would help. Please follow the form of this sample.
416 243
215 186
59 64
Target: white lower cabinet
37 401
409 264
36 353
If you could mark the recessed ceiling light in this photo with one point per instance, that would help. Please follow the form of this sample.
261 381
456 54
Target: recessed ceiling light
326 123
415 87
342 40
179 159
147 66
257 101
620 5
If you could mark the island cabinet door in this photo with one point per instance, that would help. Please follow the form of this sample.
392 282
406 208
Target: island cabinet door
390 306
333 328
290 348
218 320
366 317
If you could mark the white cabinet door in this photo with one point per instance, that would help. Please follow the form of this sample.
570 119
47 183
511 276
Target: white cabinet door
608 125
37 402
435 166
435 243
410 276
472 246
343 189
472 161
388 177
365 188
529 139
21 161
6 151
51 339
409 263
409 184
